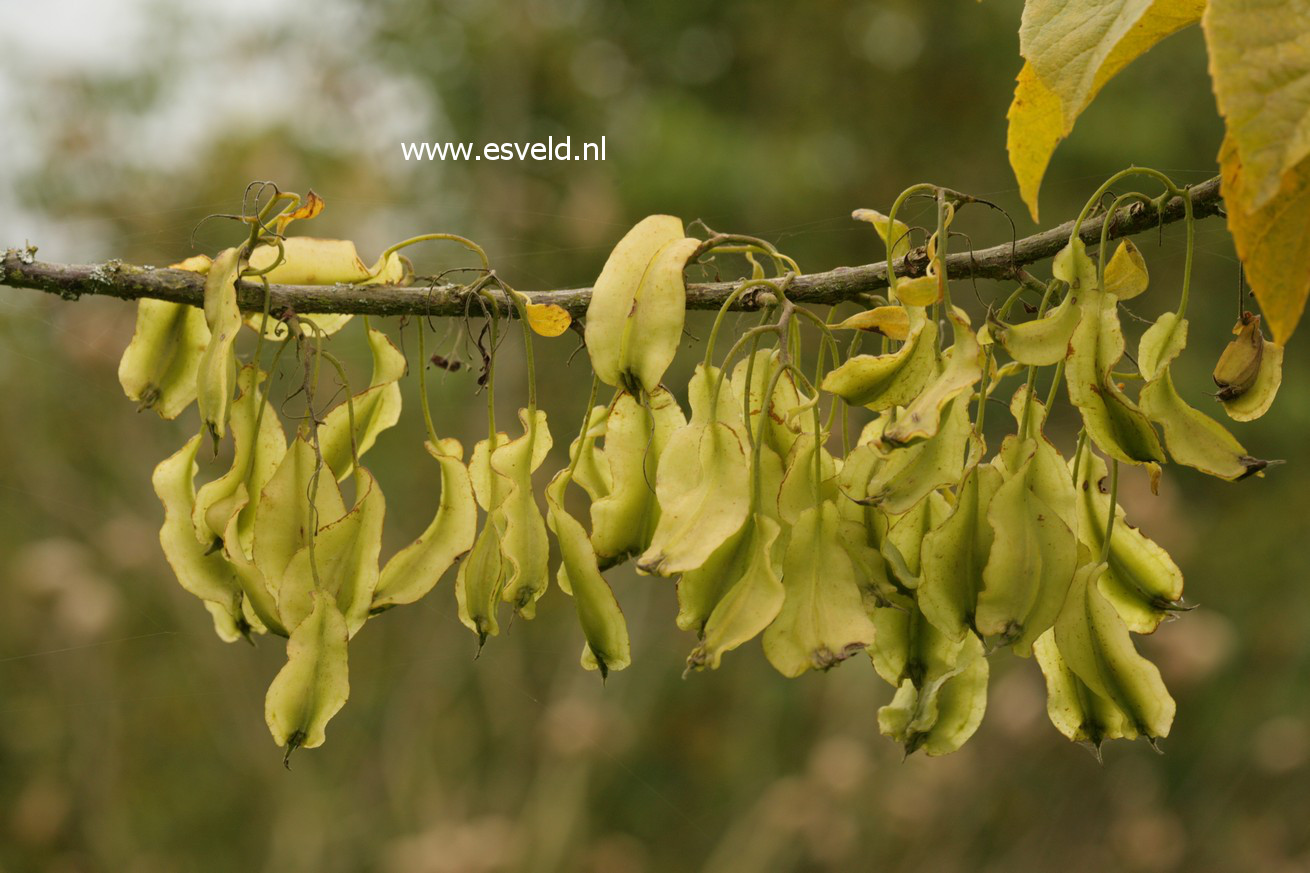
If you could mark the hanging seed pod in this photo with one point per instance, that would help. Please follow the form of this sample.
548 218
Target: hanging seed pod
285 519
314 684
892 322
703 481
607 647
623 521
822 621
313 261
200 571
217 370
376 409
1113 421
781 430
753 594
1031 564
909 474
962 368
342 564
592 470
955 553
1076 710
941 715
523 530
1126 275
258 447
159 367
1094 642
1141 580
635 316
1042 341
415 570
1192 438
1249 371
701 590
508 560
881 382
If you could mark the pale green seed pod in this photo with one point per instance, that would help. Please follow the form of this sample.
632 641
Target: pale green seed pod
258 447
822 621
635 316
942 714
1094 642
882 382
623 521
607 647
703 481
159 366
285 519
961 370
315 682
217 369
415 570
201 572
1042 341
343 564
376 409
954 555
1113 421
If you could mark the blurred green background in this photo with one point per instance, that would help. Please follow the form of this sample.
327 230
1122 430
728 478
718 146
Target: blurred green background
132 739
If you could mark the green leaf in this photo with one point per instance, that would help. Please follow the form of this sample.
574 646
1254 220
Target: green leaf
1072 50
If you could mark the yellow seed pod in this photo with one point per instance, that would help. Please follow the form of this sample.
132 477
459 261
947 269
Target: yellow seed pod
954 555
623 521
285 520
1239 365
638 305
962 369
217 369
607 647
753 593
415 570
884 381
822 621
1125 273
892 322
523 540
159 367
258 447
703 481
1113 421
1042 341
1093 641
1076 710
896 237
314 684
376 409
199 570
940 715
343 563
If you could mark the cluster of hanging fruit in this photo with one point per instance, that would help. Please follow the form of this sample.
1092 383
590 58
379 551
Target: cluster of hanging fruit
909 544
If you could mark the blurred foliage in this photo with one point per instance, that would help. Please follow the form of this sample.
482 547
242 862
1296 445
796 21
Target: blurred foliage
132 739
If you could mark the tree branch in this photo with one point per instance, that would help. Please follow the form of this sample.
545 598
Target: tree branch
20 269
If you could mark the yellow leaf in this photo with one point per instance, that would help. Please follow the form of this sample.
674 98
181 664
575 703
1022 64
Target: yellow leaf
1272 241
890 321
1260 67
1036 128
1072 50
548 319
311 207
898 245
